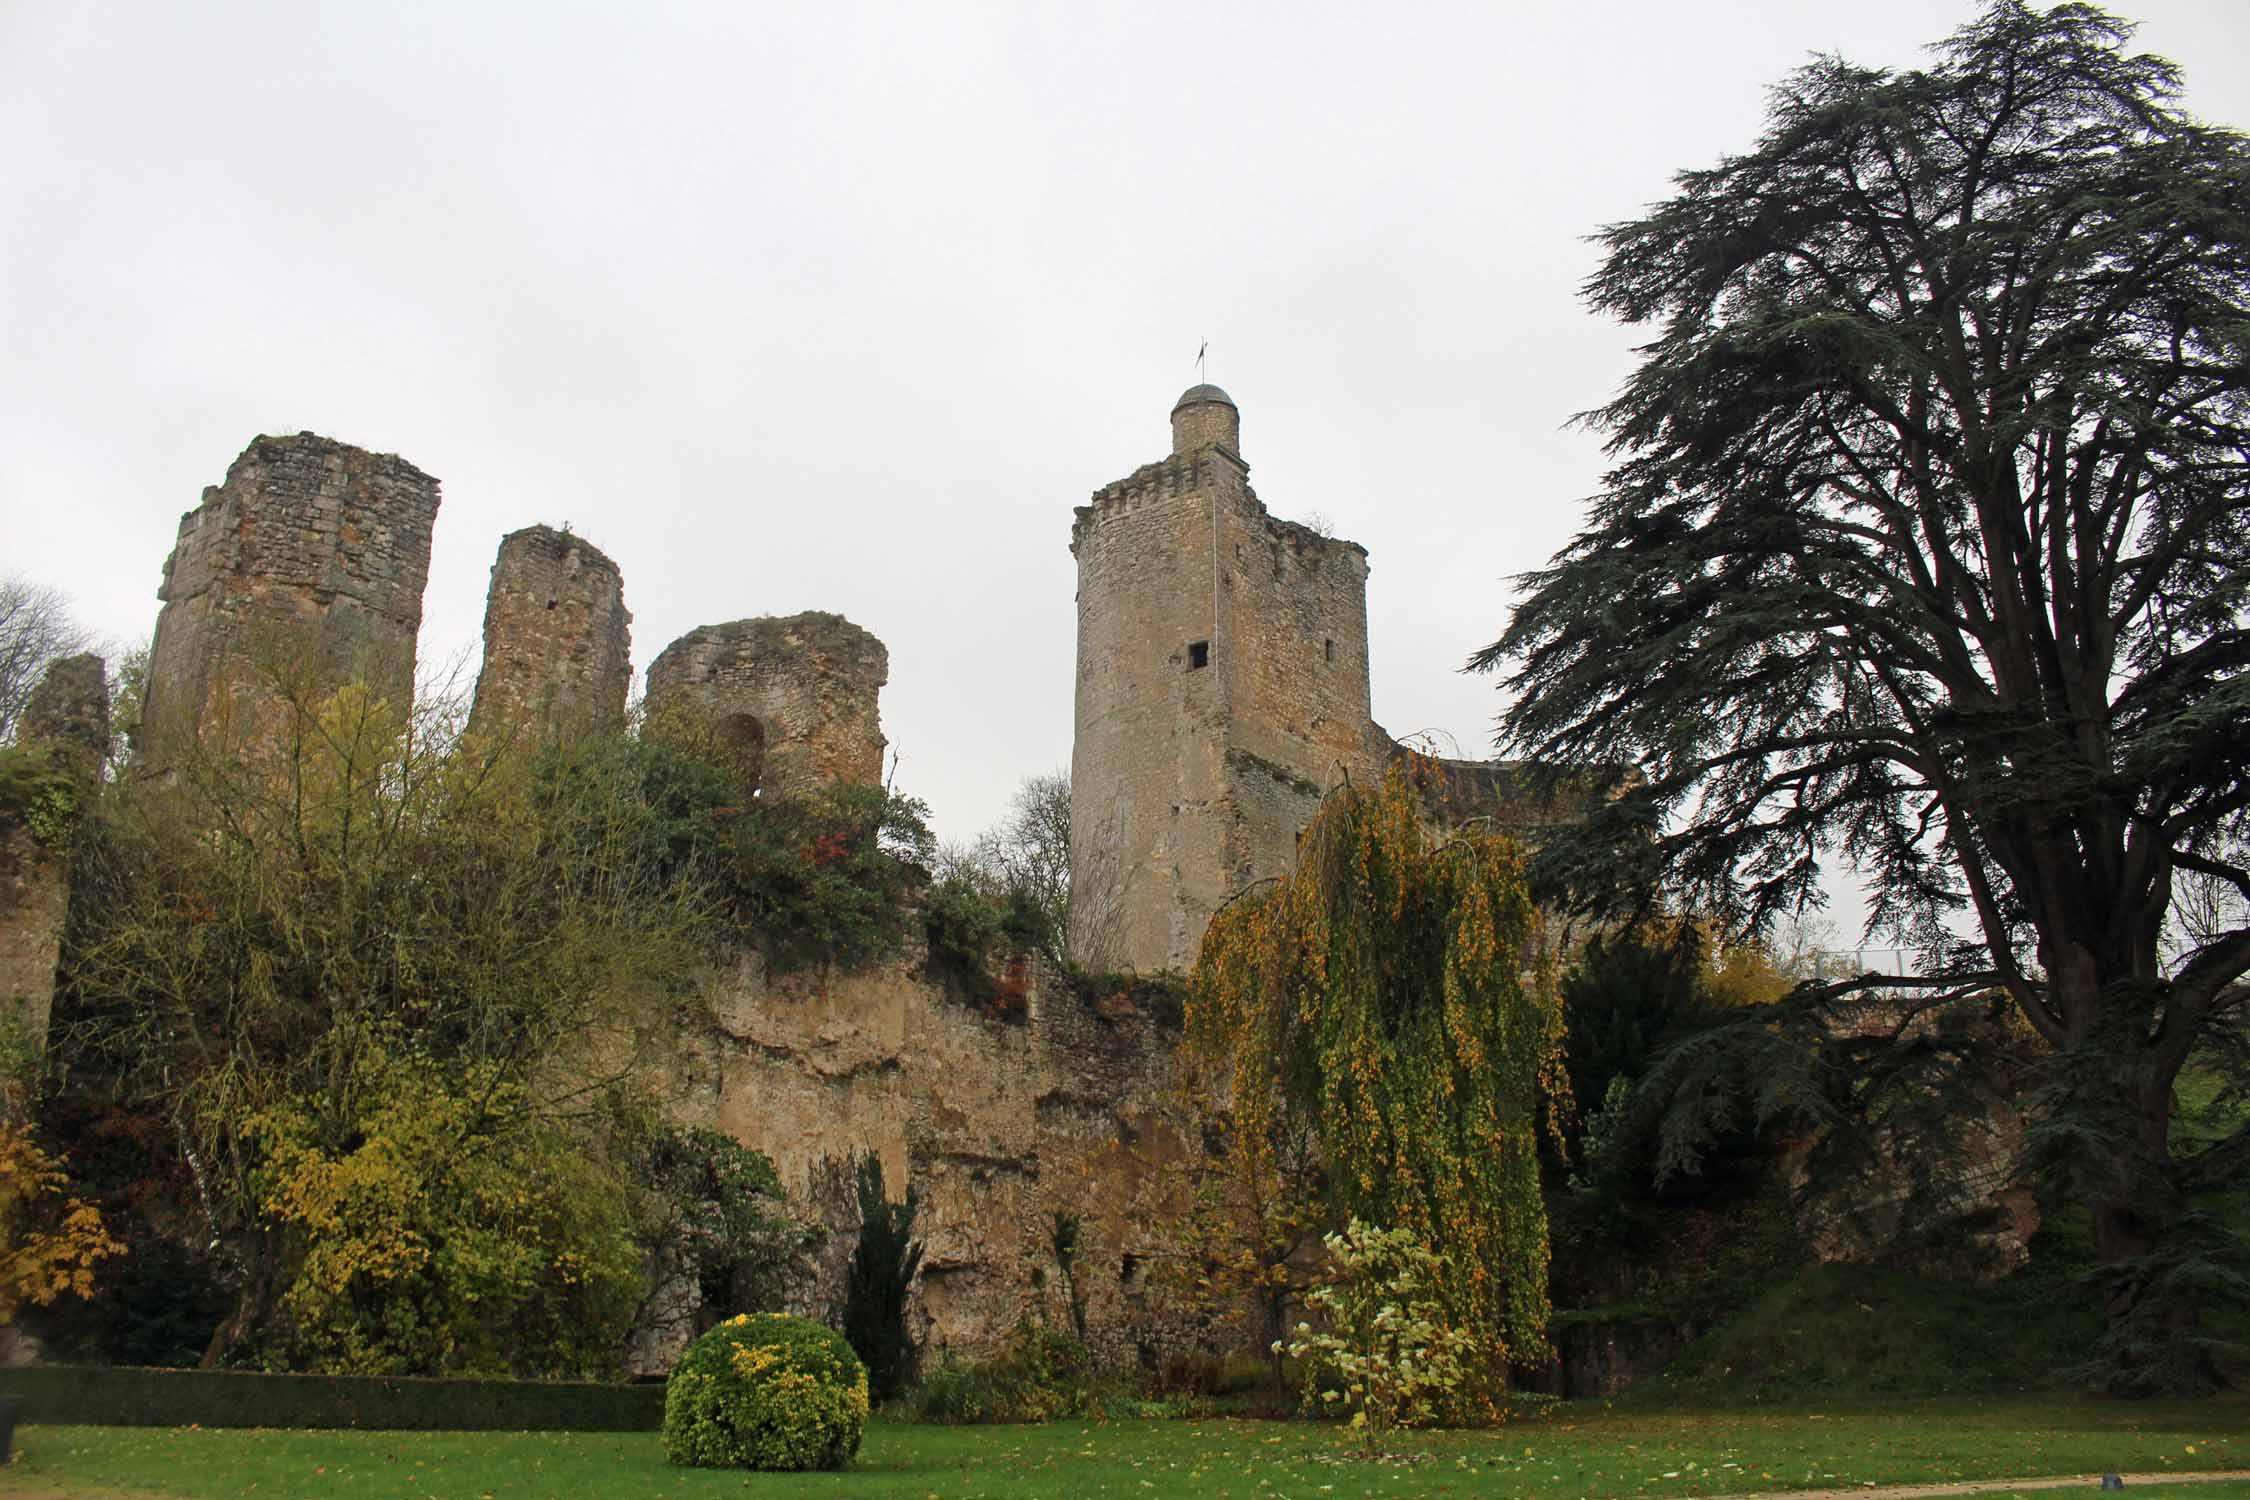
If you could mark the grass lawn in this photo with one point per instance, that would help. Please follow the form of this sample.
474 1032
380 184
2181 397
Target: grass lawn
1581 1449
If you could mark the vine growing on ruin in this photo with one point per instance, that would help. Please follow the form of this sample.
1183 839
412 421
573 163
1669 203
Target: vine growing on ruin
1391 990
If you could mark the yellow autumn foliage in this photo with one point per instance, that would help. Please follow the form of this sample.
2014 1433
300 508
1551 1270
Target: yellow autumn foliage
1392 989
50 1242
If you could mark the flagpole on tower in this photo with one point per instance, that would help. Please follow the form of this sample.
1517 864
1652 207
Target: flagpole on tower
1202 350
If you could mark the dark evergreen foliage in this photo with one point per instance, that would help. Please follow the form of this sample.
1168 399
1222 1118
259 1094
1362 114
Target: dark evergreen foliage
882 1271
710 1206
825 877
1928 544
1627 993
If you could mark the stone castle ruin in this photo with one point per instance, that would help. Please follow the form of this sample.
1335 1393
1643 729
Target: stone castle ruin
311 549
558 640
67 715
794 698
1222 688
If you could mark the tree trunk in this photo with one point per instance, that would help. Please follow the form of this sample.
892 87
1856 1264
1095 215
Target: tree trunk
251 1305
2140 1241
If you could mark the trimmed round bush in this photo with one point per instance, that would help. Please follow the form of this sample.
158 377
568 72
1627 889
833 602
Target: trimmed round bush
766 1391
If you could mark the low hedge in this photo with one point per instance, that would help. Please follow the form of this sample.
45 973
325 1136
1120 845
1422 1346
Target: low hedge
111 1396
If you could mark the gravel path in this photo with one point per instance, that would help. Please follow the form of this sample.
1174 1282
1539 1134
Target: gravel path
1986 1486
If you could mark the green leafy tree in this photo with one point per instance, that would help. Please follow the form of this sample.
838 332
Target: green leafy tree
1019 873
266 935
709 1208
458 1231
878 1280
1927 544
1387 993
1385 1337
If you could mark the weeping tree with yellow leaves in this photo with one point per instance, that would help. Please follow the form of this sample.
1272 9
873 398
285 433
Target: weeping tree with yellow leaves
1392 992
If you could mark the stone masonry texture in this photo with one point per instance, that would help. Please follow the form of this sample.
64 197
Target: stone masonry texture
1076 1108
1222 689
68 713
313 551
34 899
557 643
67 716
804 687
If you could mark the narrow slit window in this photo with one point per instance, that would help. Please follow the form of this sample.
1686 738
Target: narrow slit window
1328 650
1199 654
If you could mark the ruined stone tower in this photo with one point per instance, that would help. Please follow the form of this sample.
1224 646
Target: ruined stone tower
67 717
1222 688
794 698
313 551
557 650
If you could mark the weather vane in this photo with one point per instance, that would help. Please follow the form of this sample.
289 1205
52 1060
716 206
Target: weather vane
1201 350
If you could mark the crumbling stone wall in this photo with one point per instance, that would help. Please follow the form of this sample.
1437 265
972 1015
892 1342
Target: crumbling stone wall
68 717
34 900
1510 796
1969 1213
310 557
804 688
998 1123
67 714
1222 688
557 643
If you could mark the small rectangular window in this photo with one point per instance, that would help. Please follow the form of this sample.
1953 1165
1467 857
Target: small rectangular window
1328 650
1199 654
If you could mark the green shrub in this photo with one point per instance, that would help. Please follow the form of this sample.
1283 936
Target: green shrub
1387 1338
1026 925
766 1391
37 794
981 935
707 1205
1200 1373
956 1396
825 877
110 1396
1039 1375
965 931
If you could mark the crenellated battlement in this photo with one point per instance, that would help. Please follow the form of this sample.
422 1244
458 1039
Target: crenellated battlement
1167 479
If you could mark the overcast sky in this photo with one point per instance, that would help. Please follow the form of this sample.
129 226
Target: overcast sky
845 306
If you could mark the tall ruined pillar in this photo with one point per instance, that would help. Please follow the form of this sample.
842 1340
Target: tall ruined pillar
66 719
557 648
310 559
67 715
1222 689
792 699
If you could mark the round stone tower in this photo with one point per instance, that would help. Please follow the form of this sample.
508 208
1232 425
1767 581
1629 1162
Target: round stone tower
1221 690
792 700
1205 415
